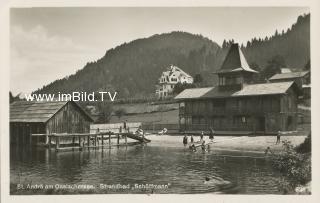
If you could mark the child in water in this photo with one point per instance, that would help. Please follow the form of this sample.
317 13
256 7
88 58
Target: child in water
193 148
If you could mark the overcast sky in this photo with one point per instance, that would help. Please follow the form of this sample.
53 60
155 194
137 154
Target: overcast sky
51 43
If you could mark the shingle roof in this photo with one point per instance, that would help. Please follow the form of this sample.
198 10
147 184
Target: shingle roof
36 111
248 90
289 75
235 61
193 93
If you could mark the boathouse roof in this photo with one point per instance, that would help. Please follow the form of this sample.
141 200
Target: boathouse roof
291 75
235 61
37 111
247 90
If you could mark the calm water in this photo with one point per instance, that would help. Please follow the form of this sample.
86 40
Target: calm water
160 163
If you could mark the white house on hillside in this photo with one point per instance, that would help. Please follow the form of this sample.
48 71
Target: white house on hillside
169 79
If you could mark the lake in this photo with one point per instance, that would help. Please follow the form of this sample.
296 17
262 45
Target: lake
157 167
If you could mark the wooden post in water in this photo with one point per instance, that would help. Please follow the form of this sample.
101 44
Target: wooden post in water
88 142
49 136
109 138
126 139
102 140
143 136
73 140
118 139
57 142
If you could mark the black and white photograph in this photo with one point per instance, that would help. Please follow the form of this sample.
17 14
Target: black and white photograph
159 100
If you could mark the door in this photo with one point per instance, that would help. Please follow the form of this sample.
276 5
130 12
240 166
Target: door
261 124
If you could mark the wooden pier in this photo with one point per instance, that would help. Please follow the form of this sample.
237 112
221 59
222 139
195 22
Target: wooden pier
87 140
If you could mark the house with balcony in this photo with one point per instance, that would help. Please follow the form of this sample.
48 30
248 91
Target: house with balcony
169 79
236 104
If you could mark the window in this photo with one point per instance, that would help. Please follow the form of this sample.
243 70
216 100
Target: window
243 119
240 120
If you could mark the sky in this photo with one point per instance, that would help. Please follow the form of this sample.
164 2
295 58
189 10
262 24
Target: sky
50 43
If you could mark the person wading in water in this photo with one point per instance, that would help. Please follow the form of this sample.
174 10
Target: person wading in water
185 140
211 136
191 139
278 137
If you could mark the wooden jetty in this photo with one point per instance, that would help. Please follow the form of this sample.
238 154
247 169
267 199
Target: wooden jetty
87 140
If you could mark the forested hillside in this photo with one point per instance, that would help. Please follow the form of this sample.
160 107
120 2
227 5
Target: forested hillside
133 68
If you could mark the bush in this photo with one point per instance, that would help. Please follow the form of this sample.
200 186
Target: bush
294 166
305 147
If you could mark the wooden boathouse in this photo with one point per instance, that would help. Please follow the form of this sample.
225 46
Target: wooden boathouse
236 104
33 117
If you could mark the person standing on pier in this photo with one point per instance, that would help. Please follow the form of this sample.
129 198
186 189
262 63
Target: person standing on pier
125 125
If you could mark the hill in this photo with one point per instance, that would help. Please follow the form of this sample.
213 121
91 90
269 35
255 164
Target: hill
133 68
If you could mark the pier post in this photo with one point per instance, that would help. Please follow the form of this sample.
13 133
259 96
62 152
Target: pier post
73 140
118 139
49 141
102 140
125 137
57 142
88 141
109 138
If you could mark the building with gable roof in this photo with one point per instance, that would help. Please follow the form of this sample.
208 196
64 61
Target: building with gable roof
45 117
236 104
301 77
169 79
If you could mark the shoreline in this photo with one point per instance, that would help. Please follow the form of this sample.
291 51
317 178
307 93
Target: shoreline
245 144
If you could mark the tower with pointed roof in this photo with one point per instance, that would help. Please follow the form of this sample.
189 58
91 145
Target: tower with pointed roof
235 71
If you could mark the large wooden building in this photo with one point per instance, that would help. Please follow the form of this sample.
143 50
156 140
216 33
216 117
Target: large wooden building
28 118
238 105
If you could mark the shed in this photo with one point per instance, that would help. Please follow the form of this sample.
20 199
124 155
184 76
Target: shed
32 117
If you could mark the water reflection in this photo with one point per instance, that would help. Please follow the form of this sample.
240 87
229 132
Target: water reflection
155 163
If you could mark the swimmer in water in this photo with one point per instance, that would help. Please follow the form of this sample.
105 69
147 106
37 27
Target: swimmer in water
217 181
206 180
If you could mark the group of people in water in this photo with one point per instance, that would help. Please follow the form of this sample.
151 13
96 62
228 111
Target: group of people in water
203 145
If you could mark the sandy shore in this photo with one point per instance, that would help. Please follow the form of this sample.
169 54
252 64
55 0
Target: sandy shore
256 144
